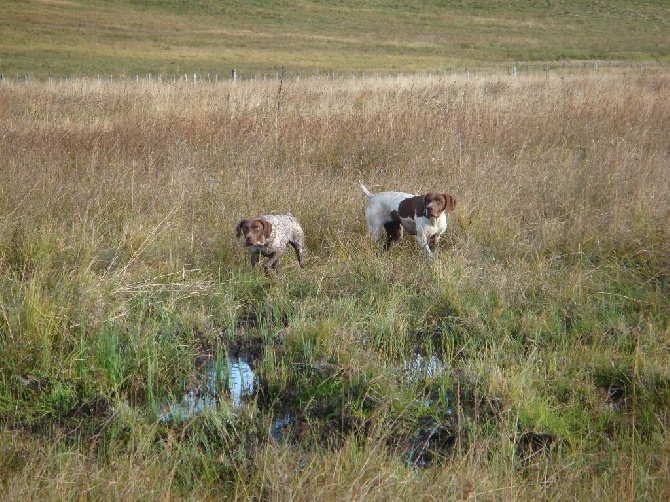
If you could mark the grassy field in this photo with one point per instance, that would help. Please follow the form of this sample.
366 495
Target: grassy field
528 361
170 37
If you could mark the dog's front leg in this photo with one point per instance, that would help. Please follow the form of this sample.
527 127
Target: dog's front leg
422 239
254 258
274 260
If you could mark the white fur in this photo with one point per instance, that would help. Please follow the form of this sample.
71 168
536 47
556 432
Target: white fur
378 209
426 229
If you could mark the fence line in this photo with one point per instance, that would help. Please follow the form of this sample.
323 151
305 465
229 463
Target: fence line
509 69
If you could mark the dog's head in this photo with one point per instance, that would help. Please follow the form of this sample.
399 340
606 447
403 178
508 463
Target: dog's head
256 231
436 203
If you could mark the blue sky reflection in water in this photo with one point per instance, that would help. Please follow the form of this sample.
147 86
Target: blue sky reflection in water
419 367
241 382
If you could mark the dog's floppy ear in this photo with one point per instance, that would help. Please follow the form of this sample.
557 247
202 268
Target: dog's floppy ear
267 227
238 229
451 202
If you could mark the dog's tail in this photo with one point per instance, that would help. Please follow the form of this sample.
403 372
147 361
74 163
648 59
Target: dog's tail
365 190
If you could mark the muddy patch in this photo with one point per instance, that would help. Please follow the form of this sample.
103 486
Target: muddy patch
532 443
323 405
433 440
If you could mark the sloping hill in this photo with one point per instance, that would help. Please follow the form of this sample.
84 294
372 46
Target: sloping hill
170 36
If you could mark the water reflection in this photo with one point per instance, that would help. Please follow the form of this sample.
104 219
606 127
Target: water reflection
240 382
241 379
422 367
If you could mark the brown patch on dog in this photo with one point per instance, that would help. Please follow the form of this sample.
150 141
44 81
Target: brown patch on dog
431 205
411 207
393 230
255 231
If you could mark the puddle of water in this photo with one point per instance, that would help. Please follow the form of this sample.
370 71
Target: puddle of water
240 382
422 367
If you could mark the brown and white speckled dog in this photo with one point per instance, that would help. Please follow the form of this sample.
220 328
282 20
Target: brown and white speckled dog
422 215
268 235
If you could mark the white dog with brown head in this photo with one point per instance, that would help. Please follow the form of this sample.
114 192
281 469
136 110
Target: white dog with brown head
422 215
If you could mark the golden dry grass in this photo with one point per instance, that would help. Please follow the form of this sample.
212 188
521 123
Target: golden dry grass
547 164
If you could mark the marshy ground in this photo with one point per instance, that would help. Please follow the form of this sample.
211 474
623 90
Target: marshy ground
528 361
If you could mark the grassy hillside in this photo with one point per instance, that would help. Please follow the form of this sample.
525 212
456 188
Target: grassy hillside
528 362
207 36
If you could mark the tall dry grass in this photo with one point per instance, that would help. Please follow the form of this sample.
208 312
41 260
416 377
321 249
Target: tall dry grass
118 265
547 164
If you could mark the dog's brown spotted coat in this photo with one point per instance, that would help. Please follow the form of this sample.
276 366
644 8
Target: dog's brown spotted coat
268 235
